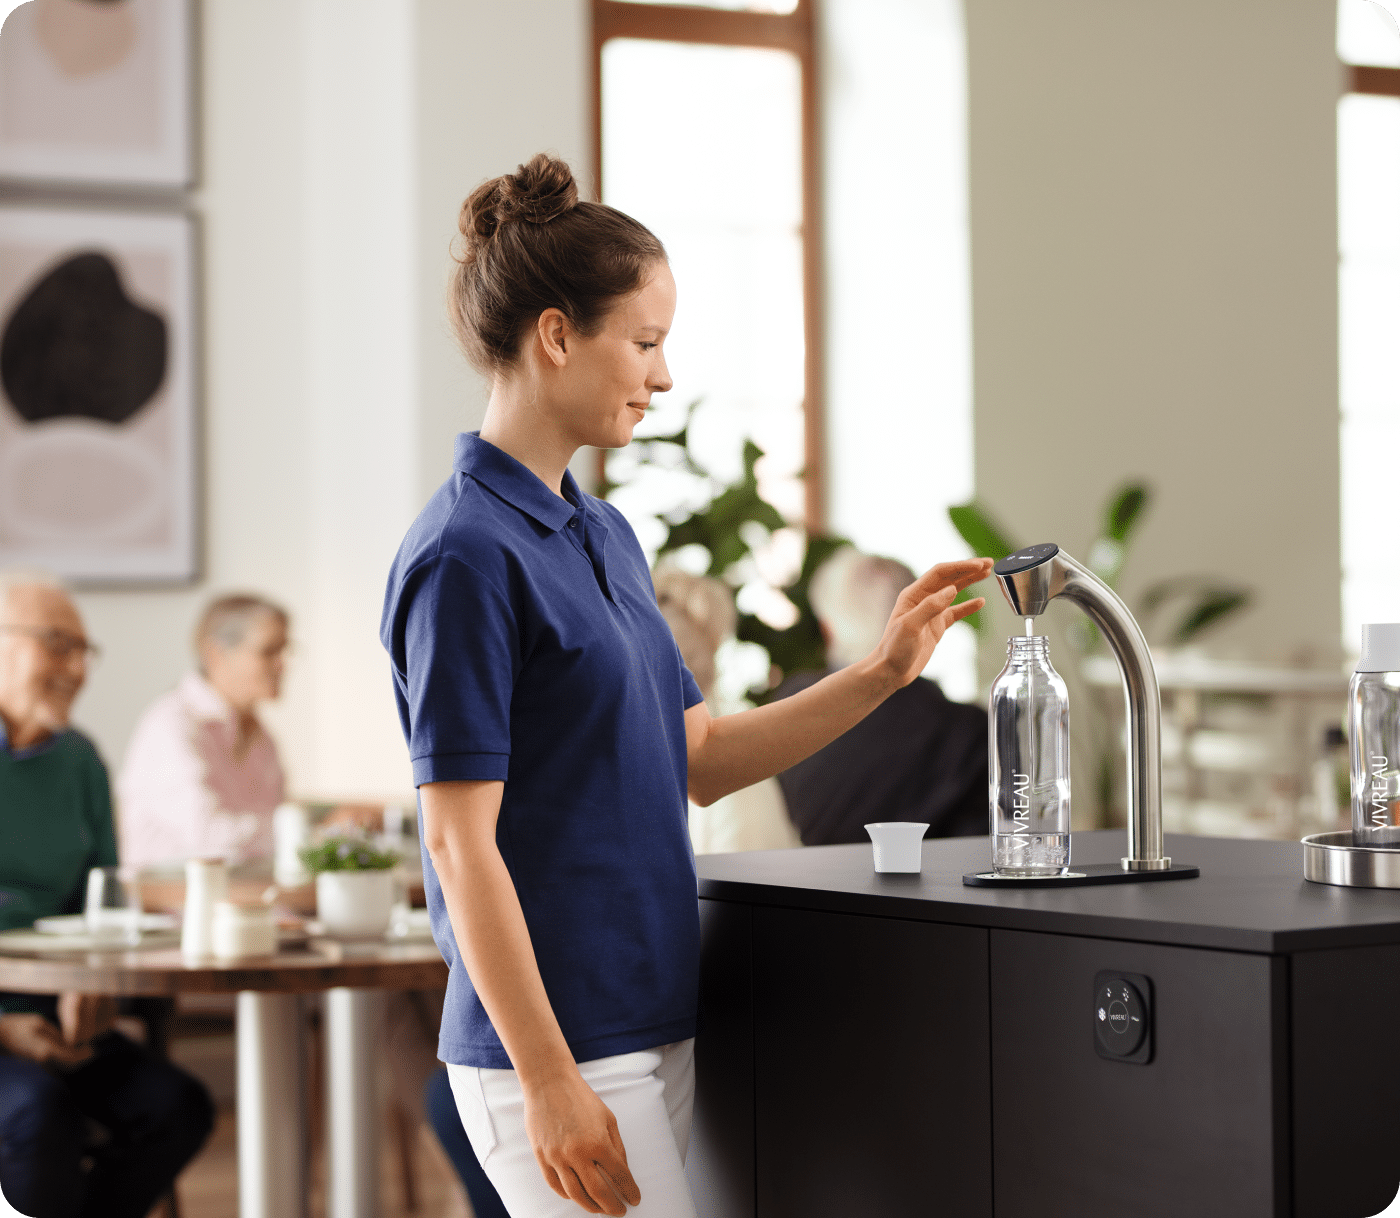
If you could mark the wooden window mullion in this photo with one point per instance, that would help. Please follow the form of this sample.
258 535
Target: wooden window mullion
795 33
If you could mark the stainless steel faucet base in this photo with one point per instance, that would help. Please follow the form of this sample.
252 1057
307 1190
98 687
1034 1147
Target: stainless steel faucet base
1081 875
1162 864
1030 579
1340 858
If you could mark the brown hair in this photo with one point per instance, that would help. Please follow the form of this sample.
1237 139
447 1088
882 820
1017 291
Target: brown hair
529 244
225 620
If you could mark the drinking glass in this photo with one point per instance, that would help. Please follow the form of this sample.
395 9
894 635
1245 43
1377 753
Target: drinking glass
113 906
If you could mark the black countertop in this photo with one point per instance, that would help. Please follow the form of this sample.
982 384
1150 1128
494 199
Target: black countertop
1250 896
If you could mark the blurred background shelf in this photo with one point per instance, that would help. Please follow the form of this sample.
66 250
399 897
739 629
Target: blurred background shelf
1248 750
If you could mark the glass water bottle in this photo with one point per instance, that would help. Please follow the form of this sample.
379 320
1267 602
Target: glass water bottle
1373 722
1028 763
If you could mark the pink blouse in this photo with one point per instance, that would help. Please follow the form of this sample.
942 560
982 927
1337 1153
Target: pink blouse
184 794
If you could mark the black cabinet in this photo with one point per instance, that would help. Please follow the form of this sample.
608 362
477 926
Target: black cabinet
1195 1130
870 1072
1346 1079
891 1047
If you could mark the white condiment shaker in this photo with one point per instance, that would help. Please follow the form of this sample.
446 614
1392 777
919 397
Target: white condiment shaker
206 882
291 830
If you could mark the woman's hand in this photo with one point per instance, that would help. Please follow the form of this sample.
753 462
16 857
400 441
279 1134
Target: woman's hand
35 1039
738 750
922 615
578 1147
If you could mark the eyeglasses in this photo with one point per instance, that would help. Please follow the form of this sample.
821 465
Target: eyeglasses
59 643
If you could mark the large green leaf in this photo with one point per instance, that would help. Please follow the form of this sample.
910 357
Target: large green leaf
1214 605
1208 603
983 534
1125 510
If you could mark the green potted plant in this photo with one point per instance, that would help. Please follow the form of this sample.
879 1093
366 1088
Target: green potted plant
354 885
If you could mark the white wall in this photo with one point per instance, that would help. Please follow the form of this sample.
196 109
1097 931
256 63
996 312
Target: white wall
340 137
1154 266
1154 256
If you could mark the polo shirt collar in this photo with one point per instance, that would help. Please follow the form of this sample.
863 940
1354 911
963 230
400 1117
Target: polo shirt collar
34 750
501 473
205 702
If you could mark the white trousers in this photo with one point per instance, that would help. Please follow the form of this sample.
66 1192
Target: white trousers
651 1094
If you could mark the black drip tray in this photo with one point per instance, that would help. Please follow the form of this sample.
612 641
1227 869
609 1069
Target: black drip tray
1078 877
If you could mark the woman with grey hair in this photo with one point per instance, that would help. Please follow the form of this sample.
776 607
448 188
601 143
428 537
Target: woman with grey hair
202 776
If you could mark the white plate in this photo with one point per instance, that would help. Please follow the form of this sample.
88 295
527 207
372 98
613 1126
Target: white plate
76 924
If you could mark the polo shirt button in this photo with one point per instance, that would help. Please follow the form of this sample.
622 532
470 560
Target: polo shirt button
573 524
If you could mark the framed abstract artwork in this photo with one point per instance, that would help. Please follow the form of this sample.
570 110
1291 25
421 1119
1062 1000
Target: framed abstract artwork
97 398
97 92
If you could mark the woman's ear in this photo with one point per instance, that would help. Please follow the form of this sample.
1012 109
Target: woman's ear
553 332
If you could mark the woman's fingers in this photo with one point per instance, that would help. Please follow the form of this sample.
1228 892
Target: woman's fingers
580 1196
607 1188
931 606
961 574
964 574
616 1167
966 609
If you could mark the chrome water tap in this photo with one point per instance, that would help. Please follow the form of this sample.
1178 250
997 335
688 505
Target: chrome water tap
1030 579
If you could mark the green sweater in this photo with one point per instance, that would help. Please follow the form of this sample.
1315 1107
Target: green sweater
55 824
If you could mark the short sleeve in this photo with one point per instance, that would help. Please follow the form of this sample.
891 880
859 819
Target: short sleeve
690 689
457 657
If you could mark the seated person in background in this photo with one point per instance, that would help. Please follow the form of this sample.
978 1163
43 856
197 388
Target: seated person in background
700 613
202 777
61 1065
916 757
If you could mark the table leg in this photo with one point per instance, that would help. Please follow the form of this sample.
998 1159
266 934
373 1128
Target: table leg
272 1158
353 1019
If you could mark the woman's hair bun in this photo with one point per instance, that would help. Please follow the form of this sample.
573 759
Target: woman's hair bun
541 190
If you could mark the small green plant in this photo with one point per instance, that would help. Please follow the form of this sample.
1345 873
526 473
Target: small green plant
725 527
346 854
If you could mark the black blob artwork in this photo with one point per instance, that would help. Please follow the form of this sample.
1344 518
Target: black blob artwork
76 346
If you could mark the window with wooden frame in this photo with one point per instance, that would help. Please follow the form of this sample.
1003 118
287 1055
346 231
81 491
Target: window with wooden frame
1368 206
706 131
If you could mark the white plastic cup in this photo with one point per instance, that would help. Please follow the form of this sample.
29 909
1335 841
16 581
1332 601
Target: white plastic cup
242 930
898 845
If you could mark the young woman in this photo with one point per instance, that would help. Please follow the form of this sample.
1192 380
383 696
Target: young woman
554 730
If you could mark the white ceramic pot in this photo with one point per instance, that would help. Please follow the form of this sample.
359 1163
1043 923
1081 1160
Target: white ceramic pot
355 903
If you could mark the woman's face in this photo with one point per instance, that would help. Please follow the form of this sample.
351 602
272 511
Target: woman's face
606 384
251 670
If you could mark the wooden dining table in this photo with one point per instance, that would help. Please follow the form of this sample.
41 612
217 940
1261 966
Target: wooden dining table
271 1047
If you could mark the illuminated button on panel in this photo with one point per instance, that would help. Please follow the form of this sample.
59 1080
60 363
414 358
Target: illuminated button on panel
1123 1017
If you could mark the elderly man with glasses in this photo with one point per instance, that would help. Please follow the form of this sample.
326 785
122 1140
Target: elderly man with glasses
63 1069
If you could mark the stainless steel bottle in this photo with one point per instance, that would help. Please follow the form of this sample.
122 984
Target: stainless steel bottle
1028 763
1373 726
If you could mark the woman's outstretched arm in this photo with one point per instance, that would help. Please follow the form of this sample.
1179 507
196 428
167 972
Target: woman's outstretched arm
574 1135
736 751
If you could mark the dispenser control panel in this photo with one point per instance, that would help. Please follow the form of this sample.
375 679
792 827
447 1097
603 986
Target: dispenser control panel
1123 1017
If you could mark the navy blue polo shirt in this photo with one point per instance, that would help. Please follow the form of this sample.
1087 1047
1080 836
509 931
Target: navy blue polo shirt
527 648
